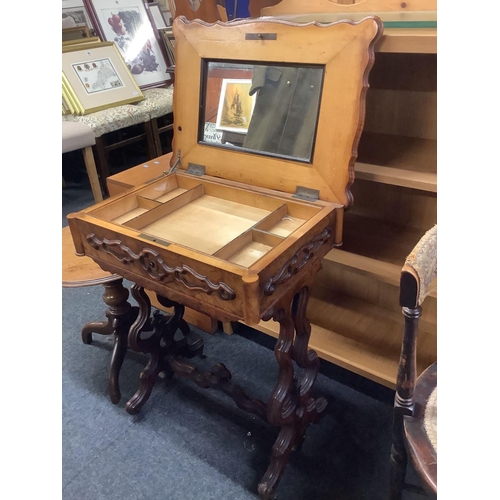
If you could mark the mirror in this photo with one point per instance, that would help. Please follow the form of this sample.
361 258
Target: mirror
261 108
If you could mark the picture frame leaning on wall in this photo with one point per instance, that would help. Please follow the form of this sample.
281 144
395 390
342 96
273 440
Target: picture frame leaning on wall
97 77
128 24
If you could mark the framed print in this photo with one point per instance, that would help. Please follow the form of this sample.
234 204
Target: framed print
77 33
156 15
68 98
128 24
75 10
80 41
169 41
96 77
235 105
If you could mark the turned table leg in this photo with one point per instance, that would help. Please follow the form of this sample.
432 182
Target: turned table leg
120 316
290 406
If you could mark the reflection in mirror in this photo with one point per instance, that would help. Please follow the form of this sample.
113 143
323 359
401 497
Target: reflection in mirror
267 109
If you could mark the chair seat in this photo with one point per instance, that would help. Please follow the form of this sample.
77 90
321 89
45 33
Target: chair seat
420 430
111 119
76 136
158 102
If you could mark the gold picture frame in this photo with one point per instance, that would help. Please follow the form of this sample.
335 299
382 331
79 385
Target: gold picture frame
75 33
79 41
95 77
168 39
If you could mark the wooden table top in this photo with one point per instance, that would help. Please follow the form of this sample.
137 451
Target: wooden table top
80 271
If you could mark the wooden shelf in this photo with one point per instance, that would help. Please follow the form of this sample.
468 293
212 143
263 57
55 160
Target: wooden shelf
401 161
359 336
397 177
383 241
389 273
408 40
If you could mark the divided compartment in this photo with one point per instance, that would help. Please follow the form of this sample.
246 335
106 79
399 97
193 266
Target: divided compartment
249 247
226 222
268 233
131 206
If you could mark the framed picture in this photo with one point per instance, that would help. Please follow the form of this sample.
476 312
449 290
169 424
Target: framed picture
80 41
75 10
156 15
128 24
169 41
96 77
235 105
78 33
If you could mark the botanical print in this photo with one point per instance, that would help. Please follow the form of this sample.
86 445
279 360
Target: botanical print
235 105
134 37
98 75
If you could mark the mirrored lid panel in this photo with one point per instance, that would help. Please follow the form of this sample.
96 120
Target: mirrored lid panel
269 109
273 104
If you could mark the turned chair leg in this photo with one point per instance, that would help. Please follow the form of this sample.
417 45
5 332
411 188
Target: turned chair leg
403 401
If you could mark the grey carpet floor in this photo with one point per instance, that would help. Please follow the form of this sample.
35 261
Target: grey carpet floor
189 443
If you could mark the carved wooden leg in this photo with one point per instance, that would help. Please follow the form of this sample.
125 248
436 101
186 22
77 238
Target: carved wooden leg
290 407
120 316
308 360
150 373
158 345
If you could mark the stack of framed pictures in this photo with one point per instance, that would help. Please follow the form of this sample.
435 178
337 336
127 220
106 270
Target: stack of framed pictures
131 25
169 40
95 77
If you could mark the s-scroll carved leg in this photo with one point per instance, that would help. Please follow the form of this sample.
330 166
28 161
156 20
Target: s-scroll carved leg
290 406
158 345
120 316
150 373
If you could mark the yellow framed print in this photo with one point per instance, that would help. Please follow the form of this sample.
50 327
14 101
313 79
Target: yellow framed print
97 77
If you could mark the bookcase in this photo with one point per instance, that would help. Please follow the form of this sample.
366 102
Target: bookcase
356 321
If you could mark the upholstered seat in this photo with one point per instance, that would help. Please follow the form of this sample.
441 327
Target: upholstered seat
158 102
77 136
111 119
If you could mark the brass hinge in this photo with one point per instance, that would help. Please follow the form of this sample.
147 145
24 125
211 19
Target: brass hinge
307 194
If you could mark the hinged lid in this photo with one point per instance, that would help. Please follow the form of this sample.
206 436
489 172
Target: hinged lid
272 103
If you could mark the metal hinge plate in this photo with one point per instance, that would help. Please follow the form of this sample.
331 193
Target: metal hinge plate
306 194
195 169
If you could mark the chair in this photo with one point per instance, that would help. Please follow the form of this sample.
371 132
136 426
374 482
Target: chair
415 403
120 126
77 136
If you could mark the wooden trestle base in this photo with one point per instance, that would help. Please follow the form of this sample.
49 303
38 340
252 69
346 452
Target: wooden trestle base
290 406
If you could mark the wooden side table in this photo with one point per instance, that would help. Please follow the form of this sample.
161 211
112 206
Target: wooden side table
83 271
